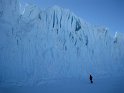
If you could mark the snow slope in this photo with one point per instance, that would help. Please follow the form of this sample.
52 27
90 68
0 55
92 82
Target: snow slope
39 45
71 86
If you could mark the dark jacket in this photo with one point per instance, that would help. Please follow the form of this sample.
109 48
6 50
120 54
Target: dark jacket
91 77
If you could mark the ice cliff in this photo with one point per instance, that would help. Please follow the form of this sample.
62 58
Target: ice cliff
42 44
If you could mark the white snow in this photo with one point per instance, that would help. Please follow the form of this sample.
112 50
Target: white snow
54 43
113 85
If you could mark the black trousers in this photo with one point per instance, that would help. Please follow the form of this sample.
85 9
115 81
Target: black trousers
91 81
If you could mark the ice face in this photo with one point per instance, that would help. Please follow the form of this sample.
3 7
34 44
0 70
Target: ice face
9 10
53 43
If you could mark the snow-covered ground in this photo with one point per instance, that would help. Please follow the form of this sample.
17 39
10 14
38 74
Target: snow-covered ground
103 85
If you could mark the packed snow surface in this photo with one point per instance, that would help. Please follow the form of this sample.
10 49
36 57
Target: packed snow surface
108 85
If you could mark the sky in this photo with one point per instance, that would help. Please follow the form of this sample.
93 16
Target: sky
106 13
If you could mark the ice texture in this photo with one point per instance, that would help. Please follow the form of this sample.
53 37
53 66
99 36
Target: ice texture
42 44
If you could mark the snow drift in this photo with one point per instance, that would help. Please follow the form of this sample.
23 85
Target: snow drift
38 45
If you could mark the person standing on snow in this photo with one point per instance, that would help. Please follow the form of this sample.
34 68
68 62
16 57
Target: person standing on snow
91 78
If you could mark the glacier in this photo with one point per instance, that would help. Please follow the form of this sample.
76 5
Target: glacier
37 45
